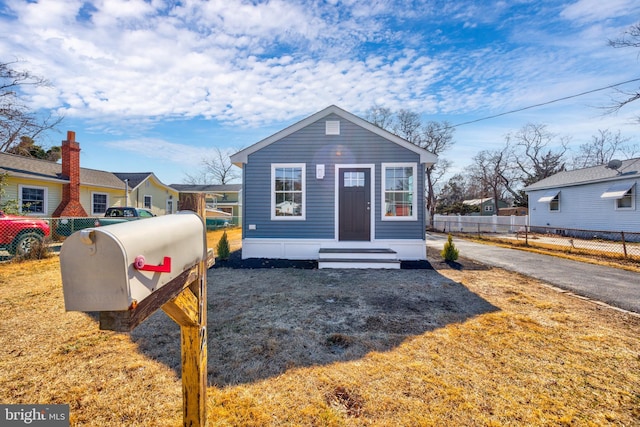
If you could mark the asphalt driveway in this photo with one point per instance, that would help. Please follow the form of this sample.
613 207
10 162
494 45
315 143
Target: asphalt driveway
619 288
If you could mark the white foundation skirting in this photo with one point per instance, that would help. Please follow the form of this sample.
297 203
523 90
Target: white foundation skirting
308 249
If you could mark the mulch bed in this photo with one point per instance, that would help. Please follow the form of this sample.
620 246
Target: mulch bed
235 261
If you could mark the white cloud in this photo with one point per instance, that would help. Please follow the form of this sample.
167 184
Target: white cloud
598 10
246 64
161 149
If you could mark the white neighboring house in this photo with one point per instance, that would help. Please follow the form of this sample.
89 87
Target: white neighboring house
600 198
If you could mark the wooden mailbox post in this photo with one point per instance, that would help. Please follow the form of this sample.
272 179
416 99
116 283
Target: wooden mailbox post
183 299
189 310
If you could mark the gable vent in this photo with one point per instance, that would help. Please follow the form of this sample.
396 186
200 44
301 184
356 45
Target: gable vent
332 127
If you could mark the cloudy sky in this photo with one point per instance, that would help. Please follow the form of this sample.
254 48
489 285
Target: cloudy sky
157 85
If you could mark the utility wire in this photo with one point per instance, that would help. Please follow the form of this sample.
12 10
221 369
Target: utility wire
545 103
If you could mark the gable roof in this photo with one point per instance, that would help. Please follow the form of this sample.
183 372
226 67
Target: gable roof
630 169
29 168
242 156
134 179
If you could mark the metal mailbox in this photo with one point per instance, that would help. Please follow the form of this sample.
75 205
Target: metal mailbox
113 268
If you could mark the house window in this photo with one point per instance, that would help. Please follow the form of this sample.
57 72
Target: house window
99 203
33 200
626 202
399 190
488 208
623 194
553 198
147 202
354 179
288 191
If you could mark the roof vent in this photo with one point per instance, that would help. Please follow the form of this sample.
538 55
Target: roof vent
332 127
614 164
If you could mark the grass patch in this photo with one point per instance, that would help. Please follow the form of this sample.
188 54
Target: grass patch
332 348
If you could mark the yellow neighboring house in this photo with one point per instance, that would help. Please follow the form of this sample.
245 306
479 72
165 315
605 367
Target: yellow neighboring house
44 188
50 189
148 192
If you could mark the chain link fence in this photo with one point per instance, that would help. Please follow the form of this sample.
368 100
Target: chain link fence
613 244
18 234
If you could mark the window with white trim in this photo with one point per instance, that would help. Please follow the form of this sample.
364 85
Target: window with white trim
288 191
399 191
99 203
147 202
33 200
488 208
552 197
628 201
623 194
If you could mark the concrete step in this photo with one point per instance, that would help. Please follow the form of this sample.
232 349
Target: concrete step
358 258
357 253
359 263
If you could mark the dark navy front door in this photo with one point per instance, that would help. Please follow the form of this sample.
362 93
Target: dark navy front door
354 201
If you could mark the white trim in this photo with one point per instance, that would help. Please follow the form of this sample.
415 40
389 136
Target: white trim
336 195
303 215
144 201
548 196
308 249
45 202
242 157
93 211
414 214
616 202
147 183
168 211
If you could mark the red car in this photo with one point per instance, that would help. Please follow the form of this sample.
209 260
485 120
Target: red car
18 233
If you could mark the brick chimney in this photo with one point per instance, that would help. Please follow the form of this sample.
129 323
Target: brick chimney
70 205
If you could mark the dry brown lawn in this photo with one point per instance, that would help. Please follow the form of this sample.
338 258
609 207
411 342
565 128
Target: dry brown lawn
470 347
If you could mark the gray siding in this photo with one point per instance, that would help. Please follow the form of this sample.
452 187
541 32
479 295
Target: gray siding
311 146
582 208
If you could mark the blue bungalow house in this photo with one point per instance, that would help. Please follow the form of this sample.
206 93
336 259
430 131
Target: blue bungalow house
335 188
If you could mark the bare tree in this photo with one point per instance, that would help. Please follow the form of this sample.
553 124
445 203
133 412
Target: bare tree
533 152
455 191
491 169
630 151
603 147
379 116
198 178
435 137
16 119
408 126
630 38
217 169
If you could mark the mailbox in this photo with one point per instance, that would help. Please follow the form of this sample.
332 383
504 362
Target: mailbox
115 267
